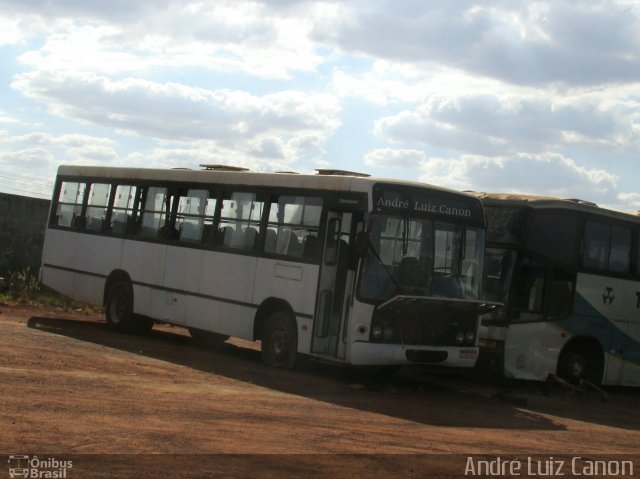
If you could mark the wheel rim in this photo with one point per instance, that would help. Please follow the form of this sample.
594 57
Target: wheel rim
118 306
575 367
280 344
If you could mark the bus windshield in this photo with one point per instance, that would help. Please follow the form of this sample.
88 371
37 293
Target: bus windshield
421 257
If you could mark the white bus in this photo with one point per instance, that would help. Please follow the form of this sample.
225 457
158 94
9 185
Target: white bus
568 273
335 265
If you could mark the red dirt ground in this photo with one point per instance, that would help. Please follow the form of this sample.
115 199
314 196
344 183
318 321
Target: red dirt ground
157 406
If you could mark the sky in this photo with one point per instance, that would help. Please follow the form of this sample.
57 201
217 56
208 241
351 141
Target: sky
537 97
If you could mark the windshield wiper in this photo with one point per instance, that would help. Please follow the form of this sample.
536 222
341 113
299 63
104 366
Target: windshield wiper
384 266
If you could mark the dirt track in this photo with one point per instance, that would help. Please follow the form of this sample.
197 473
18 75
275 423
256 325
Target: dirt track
70 387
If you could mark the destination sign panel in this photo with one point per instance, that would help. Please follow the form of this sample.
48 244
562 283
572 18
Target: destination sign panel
417 201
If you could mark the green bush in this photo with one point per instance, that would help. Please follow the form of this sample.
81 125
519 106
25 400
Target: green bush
23 285
25 288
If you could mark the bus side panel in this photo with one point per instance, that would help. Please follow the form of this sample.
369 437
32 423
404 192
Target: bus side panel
610 307
144 262
97 256
229 276
295 283
359 324
183 269
181 274
622 359
631 357
221 317
532 350
60 249
612 298
225 291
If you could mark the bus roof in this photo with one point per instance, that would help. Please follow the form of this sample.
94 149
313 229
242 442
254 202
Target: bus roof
337 182
550 202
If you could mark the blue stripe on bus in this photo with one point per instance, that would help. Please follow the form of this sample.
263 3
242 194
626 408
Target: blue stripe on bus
588 321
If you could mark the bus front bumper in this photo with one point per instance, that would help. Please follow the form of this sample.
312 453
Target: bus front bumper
364 353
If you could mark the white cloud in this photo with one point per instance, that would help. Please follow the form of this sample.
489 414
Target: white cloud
544 174
494 123
47 139
10 31
394 158
195 154
631 200
379 89
6 119
37 155
85 48
29 158
172 111
501 87
229 36
571 42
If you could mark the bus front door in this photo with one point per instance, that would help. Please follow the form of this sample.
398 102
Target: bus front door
331 305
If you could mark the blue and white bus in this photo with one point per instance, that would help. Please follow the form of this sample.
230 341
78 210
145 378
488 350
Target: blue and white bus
568 273
334 265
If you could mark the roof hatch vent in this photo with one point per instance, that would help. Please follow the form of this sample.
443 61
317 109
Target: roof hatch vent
582 202
331 172
208 167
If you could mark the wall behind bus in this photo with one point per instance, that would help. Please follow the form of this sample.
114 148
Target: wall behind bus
22 225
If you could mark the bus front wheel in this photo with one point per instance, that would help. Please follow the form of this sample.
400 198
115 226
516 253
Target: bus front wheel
119 311
279 341
577 364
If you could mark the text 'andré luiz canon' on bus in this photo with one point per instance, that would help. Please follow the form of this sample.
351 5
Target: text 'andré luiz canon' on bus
334 265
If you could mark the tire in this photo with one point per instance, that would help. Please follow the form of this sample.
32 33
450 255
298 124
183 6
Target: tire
280 341
119 311
207 339
576 365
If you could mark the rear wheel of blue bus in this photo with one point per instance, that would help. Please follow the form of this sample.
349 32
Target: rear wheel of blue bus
579 362
279 341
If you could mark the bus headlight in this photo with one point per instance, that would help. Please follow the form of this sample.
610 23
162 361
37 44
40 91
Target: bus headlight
469 337
459 337
376 332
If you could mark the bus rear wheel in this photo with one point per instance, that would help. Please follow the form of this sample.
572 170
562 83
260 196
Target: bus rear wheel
279 341
576 365
119 311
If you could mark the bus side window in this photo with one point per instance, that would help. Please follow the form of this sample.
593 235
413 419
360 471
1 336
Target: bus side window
154 214
596 238
69 209
554 236
620 249
607 247
191 215
96 214
292 227
122 212
240 216
208 231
